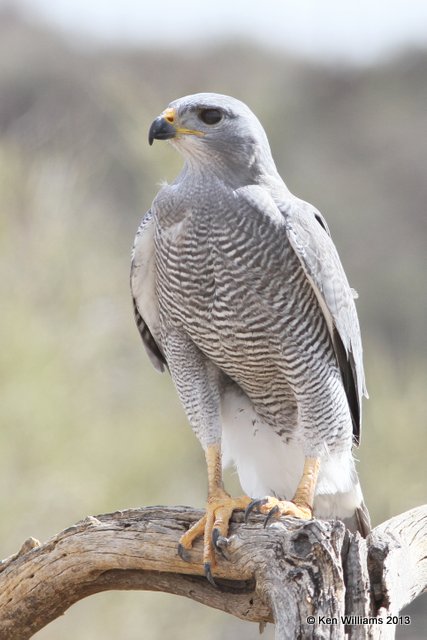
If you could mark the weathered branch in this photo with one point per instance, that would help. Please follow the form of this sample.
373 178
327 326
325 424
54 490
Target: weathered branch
287 572
397 561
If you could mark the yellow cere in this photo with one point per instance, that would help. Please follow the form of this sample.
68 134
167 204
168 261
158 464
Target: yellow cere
169 114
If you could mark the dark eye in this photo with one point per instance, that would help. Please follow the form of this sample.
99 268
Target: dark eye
210 116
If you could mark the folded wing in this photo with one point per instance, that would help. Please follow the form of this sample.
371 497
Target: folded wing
310 238
143 287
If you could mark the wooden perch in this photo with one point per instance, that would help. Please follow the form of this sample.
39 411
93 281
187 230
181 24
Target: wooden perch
285 573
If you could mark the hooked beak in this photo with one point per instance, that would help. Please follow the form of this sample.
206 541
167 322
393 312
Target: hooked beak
164 128
161 129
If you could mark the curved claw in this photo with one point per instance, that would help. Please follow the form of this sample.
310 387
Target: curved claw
273 512
219 542
254 506
183 553
215 536
208 574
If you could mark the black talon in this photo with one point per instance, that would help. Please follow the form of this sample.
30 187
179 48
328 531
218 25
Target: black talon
274 511
183 553
215 536
208 574
254 505
220 543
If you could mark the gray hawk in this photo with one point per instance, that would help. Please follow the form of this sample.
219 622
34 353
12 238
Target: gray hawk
239 292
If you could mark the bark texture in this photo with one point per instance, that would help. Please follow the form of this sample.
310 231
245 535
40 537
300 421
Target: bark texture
304 576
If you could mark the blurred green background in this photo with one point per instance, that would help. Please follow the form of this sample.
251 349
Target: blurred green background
87 425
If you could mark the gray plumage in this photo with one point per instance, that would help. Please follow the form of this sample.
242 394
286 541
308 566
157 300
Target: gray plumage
239 290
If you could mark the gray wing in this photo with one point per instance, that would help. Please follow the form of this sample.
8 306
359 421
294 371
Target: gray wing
143 288
309 236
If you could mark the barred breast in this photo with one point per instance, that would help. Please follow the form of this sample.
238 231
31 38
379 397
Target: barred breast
234 285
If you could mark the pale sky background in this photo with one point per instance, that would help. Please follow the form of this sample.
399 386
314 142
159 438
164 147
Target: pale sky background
358 30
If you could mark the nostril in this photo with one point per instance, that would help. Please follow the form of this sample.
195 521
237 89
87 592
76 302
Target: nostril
169 115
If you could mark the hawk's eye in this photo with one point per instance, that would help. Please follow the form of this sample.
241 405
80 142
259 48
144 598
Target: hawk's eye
210 116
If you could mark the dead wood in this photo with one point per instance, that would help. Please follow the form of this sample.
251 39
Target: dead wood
289 573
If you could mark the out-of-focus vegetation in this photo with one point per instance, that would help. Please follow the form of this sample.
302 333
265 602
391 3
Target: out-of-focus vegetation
86 424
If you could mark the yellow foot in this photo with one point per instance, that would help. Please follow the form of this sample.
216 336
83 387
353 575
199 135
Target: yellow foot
212 526
274 508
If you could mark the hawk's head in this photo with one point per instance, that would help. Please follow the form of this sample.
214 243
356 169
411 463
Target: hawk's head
215 128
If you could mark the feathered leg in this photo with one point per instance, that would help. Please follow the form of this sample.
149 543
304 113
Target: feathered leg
198 382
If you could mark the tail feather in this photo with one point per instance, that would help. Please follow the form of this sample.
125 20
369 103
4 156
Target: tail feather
360 522
348 507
